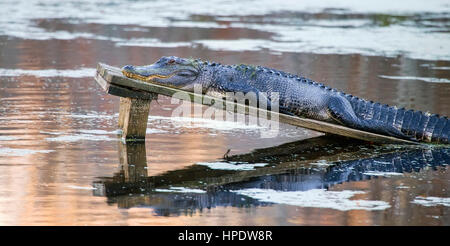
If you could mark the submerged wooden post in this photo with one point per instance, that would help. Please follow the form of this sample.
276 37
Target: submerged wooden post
133 161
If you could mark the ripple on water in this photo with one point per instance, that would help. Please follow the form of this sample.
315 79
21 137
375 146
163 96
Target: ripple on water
318 198
384 174
425 79
71 73
20 152
192 123
83 135
231 165
181 190
432 201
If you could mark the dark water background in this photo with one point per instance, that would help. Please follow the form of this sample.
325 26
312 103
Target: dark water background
61 162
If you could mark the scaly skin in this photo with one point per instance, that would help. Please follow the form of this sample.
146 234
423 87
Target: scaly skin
298 96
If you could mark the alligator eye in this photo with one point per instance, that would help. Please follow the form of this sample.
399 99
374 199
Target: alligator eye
172 61
186 73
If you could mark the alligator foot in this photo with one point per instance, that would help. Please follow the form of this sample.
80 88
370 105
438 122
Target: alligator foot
342 112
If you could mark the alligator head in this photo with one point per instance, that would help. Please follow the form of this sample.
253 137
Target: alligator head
169 71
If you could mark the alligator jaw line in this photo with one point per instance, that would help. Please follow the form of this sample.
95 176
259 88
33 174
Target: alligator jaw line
148 78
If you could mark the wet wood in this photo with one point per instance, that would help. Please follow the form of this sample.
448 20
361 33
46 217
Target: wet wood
133 161
133 117
112 76
122 91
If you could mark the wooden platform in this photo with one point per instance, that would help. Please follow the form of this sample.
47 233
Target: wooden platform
136 97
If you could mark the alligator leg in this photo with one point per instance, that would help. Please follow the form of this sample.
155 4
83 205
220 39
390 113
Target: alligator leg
340 110
392 131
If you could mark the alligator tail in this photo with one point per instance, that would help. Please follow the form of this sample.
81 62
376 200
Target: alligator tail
401 123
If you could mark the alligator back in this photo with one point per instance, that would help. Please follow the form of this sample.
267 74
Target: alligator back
304 97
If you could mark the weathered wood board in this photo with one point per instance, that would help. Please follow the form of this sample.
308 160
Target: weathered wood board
115 83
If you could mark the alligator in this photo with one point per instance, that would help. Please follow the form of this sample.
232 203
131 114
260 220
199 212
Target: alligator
297 96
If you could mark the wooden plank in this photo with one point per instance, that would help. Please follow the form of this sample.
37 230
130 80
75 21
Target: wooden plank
113 76
122 91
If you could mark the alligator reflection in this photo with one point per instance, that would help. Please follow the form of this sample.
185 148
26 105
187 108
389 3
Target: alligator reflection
298 166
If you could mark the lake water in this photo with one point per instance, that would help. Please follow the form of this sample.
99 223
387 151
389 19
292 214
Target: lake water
62 163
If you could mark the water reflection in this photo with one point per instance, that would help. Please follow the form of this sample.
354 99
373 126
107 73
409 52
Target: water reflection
318 163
